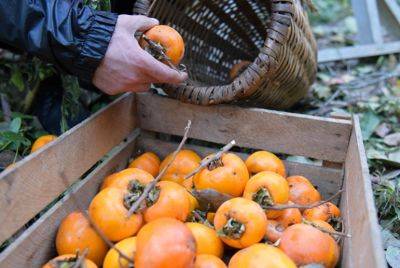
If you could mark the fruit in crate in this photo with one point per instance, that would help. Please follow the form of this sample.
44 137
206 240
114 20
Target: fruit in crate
302 192
207 240
148 162
126 247
42 141
265 161
68 260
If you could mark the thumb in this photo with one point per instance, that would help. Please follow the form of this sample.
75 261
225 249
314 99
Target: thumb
143 23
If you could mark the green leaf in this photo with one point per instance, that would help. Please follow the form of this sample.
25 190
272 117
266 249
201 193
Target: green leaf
393 256
369 122
15 125
17 80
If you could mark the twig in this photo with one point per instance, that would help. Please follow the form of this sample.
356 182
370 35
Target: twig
80 259
153 183
282 207
214 157
151 7
5 106
159 49
325 230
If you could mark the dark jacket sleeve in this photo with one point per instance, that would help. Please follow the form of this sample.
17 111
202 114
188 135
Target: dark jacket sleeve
64 32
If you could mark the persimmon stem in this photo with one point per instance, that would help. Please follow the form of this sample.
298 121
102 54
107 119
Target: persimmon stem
160 50
80 258
212 158
153 183
317 204
325 230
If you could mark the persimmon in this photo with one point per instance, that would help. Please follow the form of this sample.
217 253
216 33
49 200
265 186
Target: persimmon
323 226
240 222
207 240
149 162
185 162
305 245
302 192
109 211
113 258
167 199
170 40
261 255
188 183
274 231
42 141
67 260
208 261
163 243
76 234
324 212
289 216
238 69
210 216
267 189
193 202
126 178
265 161
227 175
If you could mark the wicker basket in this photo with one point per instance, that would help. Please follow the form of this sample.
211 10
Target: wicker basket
274 35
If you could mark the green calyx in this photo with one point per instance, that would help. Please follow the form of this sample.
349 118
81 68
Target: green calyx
263 198
135 189
232 229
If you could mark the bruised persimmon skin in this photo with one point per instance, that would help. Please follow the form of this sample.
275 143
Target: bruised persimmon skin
173 202
185 162
275 184
274 231
301 191
108 212
324 212
261 255
88 263
170 39
122 179
229 178
76 234
290 216
248 213
238 68
208 261
149 162
265 161
305 244
207 240
127 247
165 243
42 141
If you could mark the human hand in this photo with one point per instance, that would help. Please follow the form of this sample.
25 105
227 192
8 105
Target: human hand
126 66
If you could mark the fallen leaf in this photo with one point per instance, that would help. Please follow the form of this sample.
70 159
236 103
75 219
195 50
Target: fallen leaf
389 239
391 175
393 256
383 129
369 122
392 139
210 199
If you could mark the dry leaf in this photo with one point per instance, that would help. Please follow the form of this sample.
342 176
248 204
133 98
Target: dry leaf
383 129
210 199
392 139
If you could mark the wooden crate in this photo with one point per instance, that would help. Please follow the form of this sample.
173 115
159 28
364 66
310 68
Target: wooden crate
132 123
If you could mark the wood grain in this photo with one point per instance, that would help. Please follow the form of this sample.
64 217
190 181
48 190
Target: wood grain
41 177
36 245
279 132
364 248
328 180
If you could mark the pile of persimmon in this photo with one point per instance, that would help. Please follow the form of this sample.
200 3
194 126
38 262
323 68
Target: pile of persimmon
172 228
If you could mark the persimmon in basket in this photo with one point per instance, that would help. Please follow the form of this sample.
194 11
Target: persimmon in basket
169 39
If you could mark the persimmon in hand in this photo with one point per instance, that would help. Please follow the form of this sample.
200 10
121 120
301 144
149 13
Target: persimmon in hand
169 39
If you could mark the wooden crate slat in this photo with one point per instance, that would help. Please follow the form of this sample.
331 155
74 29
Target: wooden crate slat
37 244
328 180
325 139
364 248
43 176
367 16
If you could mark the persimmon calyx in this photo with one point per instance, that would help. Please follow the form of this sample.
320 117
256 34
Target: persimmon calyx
263 198
135 190
215 164
153 196
233 229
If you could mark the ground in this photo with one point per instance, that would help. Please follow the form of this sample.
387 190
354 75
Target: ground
367 87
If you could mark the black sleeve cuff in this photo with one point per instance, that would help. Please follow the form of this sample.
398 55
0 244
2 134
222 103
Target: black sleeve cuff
94 44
